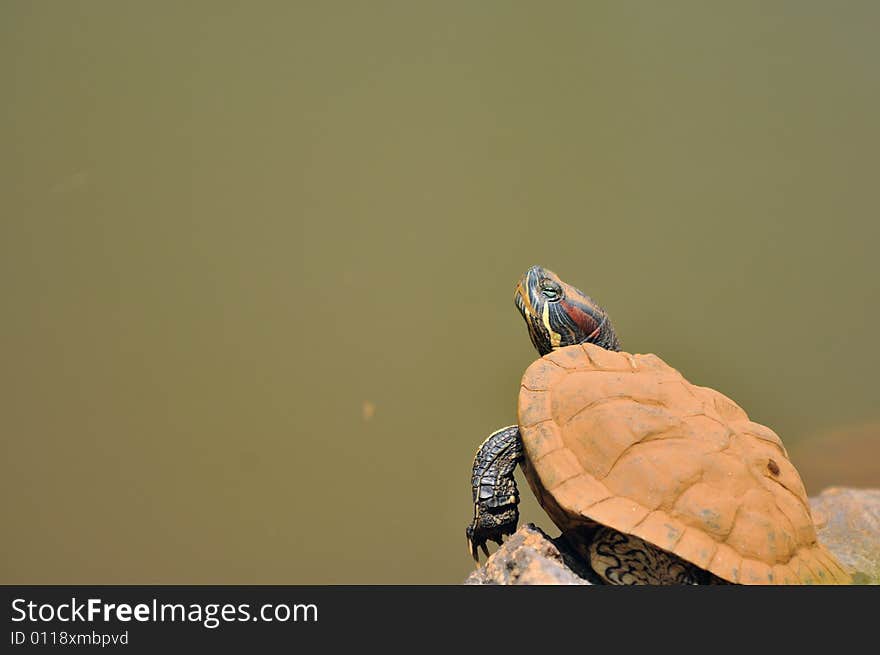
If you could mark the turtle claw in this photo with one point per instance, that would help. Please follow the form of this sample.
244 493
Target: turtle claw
477 538
488 527
475 543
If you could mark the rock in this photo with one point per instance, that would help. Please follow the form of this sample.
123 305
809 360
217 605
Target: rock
530 557
851 529
847 520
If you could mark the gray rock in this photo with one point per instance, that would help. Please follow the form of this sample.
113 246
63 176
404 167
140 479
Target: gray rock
848 523
849 526
530 557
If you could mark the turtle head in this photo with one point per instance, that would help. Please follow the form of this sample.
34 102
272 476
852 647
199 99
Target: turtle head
557 314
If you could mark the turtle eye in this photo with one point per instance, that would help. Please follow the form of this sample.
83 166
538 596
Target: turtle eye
551 291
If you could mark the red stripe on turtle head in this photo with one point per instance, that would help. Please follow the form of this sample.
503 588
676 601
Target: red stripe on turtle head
586 322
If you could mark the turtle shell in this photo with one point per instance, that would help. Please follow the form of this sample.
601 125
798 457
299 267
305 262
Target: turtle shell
625 441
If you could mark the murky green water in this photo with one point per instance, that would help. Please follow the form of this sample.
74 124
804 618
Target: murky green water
258 259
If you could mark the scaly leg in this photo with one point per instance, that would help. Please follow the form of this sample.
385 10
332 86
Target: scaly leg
494 489
623 559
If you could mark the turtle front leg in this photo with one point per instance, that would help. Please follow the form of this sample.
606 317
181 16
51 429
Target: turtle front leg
494 489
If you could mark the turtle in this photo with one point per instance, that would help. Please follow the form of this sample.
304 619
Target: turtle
650 479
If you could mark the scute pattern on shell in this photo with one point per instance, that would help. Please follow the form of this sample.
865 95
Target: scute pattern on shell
626 441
